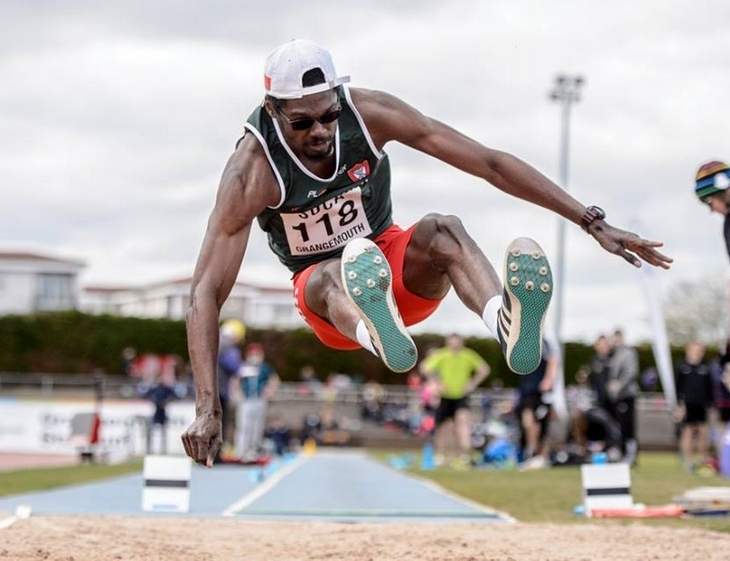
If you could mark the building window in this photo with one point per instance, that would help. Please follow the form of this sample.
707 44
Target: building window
55 292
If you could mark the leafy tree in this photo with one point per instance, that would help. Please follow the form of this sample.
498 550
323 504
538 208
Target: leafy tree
697 311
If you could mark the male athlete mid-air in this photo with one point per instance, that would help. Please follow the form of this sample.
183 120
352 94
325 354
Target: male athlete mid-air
311 169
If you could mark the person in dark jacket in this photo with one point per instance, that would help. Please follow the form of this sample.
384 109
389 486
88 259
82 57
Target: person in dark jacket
694 397
623 389
533 408
160 394
721 385
603 412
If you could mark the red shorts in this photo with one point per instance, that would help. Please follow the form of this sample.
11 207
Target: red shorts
413 309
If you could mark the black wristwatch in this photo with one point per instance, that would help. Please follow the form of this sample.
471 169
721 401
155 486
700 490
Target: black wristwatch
591 214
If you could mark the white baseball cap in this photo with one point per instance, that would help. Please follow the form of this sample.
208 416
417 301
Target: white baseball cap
287 64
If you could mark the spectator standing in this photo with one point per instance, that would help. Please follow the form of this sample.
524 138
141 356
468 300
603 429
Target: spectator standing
258 382
232 334
459 371
127 360
623 387
533 409
160 393
694 396
603 412
721 387
373 397
309 385
600 367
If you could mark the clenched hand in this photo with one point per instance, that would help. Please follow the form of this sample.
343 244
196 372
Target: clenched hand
202 440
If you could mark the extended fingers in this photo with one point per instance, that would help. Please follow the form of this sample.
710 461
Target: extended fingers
629 257
659 255
655 258
647 243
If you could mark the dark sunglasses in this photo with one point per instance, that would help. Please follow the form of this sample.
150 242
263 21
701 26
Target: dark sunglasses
308 122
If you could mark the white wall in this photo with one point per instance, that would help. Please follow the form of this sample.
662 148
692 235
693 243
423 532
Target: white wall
45 426
17 292
20 283
258 308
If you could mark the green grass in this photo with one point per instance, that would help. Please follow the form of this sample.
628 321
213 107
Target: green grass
549 495
40 479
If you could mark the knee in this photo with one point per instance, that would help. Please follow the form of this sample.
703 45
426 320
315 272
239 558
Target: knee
447 239
435 223
330 280
322 285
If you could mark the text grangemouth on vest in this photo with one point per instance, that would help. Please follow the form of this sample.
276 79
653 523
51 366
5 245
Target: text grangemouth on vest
328 225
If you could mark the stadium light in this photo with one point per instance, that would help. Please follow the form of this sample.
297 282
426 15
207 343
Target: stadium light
566 91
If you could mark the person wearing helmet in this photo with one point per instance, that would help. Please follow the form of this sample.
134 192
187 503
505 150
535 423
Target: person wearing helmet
711 187
311 170
232 334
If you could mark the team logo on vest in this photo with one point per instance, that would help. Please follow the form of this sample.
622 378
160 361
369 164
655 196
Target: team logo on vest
359 171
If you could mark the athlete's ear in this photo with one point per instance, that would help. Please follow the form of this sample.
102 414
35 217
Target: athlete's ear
269 106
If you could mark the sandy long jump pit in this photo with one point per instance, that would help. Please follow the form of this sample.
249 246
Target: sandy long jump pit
106 538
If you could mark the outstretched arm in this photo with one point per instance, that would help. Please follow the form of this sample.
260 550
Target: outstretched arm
244 192
389 118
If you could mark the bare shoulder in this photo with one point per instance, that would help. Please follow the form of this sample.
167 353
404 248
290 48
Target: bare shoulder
373 102
247 187
248 175
386 116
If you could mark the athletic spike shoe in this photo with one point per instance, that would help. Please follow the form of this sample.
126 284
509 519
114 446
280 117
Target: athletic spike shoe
368 280
528 287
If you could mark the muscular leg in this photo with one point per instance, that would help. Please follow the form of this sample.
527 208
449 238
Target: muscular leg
441 254
326 298
354 293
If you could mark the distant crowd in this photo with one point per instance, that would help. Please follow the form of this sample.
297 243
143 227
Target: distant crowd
452 402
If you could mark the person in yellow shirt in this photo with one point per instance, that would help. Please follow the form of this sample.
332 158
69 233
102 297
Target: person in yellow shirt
459 372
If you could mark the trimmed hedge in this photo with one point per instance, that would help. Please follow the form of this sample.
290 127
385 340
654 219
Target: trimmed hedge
72 342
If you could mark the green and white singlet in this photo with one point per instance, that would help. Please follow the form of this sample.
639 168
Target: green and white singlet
317 216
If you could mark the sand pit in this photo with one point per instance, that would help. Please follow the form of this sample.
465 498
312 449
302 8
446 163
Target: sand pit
208 539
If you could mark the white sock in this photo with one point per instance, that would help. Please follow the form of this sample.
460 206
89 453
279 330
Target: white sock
489 315
363 337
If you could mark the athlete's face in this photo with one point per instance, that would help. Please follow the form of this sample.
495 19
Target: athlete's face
316 142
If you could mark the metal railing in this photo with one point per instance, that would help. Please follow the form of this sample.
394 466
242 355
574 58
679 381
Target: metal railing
120 387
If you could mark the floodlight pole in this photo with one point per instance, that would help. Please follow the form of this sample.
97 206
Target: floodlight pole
566 91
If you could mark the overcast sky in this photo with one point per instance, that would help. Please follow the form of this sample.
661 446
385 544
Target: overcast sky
117 119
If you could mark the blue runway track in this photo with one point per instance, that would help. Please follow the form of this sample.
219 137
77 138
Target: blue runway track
339 486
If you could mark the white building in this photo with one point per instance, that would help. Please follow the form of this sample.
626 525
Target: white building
32 282
255 305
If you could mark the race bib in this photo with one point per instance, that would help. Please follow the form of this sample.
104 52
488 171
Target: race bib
327 226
